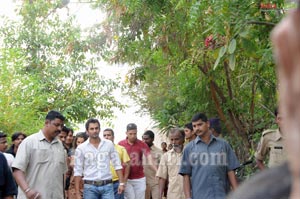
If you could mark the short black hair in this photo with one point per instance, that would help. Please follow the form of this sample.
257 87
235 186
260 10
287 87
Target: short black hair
199 116
65 129
131 126
52 115
149 133
112 131
2 135
16 135
189 126
92 120
214 123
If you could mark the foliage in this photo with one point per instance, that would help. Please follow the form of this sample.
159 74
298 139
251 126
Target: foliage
48 64
190 56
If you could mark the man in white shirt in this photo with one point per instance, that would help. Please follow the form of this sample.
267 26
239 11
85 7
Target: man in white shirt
92 162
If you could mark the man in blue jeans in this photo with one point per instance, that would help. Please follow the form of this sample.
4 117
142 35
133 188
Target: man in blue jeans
92 160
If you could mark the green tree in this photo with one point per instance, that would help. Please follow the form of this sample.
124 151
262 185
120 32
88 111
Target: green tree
47 63
190 56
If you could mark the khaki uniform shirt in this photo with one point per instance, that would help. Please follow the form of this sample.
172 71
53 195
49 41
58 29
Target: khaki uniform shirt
271 143
150 174
44 165
124 157
168 169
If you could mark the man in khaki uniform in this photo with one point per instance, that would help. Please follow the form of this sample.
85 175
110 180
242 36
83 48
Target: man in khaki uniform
271 144
169 167
152 190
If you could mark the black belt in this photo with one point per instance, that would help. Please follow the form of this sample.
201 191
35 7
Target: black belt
97 183
116 181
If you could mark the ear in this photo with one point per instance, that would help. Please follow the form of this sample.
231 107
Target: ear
47 122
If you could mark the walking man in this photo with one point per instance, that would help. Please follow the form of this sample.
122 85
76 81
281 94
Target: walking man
210 161
152 190
40 163
92 162
136 184
169 167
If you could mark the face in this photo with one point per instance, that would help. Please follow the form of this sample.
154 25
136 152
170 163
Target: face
201 128
164 145
176 139
148 140
18 141
79 141
69 138
188 133
3 144
108 135
62 136
132 135
93 130
53 127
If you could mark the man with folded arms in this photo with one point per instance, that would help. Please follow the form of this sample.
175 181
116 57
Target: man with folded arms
92 160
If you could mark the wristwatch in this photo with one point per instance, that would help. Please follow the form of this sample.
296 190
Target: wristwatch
122 183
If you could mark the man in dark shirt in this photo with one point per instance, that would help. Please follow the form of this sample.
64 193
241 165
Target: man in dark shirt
8 186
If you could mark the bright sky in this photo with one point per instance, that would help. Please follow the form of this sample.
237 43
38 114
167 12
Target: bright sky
86 17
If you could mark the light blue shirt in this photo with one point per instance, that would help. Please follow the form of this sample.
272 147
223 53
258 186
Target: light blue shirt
208 165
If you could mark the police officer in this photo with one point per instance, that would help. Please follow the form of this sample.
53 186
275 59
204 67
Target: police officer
271 144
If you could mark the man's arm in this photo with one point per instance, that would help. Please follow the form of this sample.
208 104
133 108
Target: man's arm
232 179
187 186
126 170
77 180
161 186
121 187
21 180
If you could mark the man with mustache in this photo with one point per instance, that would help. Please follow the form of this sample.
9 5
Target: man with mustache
40 163
169 167
207 163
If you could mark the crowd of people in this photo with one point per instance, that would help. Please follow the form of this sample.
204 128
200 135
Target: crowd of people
53 163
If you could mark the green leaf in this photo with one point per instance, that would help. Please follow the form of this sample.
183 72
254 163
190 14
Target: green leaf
232 46
244 34
232 61
222 51
217 62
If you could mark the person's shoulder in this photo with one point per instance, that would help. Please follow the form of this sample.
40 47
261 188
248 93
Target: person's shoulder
155 148
141 143
83 145
221 140
119 147
2 157
122 142
269 132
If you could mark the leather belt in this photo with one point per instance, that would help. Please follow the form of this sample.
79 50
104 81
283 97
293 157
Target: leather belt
98 183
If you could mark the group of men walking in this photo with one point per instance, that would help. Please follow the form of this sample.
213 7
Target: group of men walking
199 165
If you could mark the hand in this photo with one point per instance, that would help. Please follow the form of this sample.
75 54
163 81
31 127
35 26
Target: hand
121 189
286 40
32 194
